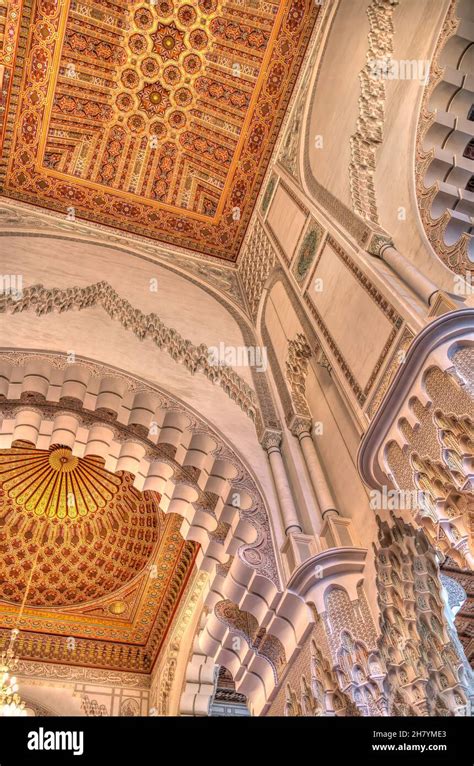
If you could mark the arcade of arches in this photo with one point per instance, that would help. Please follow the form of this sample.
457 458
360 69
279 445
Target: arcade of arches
237 356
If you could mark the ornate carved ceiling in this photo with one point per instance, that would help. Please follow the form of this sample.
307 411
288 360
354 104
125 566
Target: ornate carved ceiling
154 117
96 560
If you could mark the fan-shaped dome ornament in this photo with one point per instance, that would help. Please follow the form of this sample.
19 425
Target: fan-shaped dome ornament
56 484
94 531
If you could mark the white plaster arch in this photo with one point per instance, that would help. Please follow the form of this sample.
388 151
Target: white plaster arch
97 411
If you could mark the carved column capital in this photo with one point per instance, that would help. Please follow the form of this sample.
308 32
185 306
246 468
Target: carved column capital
299 424
378 243
271 439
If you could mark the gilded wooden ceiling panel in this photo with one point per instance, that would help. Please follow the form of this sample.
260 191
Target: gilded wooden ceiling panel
90 557
157 117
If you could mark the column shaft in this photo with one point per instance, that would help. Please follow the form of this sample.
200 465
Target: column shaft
421 285
320 484
285 497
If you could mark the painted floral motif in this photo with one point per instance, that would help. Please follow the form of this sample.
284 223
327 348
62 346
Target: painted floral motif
154 99
168 41
307 252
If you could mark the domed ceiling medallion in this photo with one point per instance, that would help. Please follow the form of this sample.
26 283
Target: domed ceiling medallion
56 484
97 560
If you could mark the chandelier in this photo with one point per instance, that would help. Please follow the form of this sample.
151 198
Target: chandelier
11 703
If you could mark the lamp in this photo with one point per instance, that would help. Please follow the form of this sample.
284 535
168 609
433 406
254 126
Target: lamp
11 703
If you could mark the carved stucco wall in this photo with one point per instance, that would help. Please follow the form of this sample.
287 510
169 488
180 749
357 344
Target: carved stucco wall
432 458
338 670
111 339
310 686
334 173
61 690
427 671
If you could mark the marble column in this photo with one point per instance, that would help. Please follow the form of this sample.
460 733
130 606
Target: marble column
382 247
301 428
271 443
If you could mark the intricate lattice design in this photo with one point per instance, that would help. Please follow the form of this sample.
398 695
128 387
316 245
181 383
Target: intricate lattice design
427 673
297 358
162 116
434 460
352 640
10 11
83 557
464 603
463 361
311 685
323 695
256 264
360 676
103 585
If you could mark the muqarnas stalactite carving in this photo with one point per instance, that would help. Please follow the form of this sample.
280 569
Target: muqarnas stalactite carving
427 672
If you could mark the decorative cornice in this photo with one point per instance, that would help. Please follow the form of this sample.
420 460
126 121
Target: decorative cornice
23 219
48 671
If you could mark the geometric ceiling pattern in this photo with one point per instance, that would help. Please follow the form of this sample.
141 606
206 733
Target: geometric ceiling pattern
93 558
154 117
